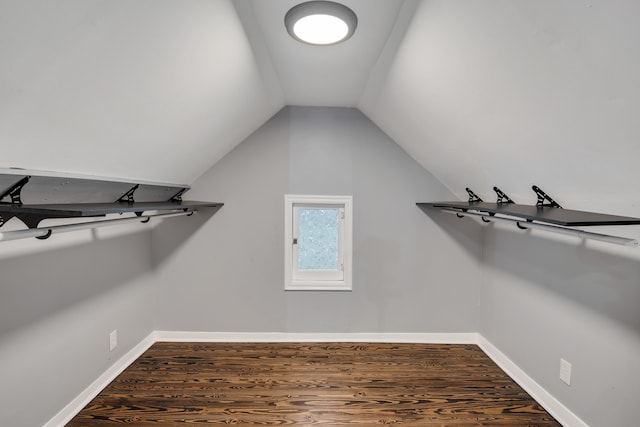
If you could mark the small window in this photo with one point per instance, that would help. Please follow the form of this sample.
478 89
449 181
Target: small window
317 242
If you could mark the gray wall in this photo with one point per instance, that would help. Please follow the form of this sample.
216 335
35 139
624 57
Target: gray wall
58 304
540 298
545 297
410 274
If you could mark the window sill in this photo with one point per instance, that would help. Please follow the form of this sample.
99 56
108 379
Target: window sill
319 286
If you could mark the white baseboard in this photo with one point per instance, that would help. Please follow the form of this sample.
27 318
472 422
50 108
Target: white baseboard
435 338
550 403
560 412
76 405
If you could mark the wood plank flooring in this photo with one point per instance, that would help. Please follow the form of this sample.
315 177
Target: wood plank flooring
308 384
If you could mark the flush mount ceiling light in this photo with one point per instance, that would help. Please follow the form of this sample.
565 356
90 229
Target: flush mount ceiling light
320 22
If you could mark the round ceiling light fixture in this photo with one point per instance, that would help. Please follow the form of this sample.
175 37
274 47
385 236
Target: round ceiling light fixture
320 22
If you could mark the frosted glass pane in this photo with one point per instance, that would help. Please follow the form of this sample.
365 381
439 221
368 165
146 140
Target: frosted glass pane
318 239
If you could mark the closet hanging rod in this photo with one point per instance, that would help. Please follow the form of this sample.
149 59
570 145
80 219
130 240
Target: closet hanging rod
552 228
44 232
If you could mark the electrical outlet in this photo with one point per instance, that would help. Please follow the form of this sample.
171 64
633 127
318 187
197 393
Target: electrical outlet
565 372
113 340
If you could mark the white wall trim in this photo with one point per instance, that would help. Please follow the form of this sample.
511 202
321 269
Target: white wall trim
76 405
428 338
550 403
560 412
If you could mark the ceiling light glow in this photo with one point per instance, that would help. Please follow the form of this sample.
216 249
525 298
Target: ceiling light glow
321 22
320 29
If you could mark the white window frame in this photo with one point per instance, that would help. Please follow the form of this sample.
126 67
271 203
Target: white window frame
295 280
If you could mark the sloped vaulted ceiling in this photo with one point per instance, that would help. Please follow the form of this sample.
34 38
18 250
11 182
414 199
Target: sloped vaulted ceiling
514 93
157 90
481 93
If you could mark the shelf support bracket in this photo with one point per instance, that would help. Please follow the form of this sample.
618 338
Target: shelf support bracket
473 197
31 220
128 196
178 196
542 197
502 197
15 192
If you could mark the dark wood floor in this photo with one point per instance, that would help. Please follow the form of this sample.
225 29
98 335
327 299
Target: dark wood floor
332 384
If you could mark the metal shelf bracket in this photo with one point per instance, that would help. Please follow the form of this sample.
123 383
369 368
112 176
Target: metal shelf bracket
178 196
15 192
542 197
502 197
128 196
473 197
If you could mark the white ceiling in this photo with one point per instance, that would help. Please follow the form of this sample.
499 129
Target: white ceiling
514 93
157 90
481 93
321 75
